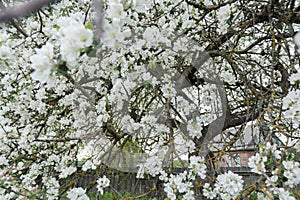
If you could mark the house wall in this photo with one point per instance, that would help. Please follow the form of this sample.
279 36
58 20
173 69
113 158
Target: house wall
233 159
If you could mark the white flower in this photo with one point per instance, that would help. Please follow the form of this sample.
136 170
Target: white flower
115 10
5 53
262 196
189 195
272 180
102 183
6 56
195 127
152 166
42 63
277 154
52 186
283 194
288 165
3 36
223 15
208 192
170 191
294 77
197 164
292 173
229 185
140 6
208 2
163 176
46 50
74 38
77 194
168 90
152 35
3 161
180 182
88 165
112 34
182 145
256 163
66 171
228 77
141 171
70 53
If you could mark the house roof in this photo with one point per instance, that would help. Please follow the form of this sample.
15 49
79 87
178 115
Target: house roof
242 138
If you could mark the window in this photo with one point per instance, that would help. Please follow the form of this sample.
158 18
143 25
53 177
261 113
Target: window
228 160
237 160
233 160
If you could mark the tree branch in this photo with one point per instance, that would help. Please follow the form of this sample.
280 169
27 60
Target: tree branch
7 14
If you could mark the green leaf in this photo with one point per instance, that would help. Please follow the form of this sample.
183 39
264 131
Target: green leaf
57 27
89 26
62 69
91 52
32 197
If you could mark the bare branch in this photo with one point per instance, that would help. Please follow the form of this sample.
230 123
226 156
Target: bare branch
96 5
7 14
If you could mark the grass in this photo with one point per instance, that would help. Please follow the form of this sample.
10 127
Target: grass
125 196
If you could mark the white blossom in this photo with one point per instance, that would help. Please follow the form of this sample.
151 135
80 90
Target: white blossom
77 194
88 165
3 161
152 166
66 171
170 191
208 191
112 34
195 127
6 53
229 185
256 163
189 195
228 77
74 38
223 15
42 63
292 173
140 6
102 183
197 164
115 10
152 35
283 194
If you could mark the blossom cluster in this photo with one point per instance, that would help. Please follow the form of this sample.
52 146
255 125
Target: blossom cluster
77 194
282 175
228 186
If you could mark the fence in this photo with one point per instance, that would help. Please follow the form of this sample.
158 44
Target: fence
121 182
127 182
